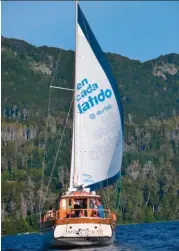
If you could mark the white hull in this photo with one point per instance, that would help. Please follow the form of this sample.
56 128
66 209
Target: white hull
76 235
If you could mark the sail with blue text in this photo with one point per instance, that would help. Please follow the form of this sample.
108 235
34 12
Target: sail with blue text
98 130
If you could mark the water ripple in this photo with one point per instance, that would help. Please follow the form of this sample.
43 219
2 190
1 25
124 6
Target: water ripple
140 237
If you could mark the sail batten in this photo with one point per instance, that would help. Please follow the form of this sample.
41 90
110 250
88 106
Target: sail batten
98 117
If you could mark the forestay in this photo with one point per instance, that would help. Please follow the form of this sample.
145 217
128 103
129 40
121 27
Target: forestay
98 121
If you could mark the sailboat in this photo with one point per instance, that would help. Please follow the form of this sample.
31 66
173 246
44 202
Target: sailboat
97 148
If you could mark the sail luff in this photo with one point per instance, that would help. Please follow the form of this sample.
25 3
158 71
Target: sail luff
72 162
72 171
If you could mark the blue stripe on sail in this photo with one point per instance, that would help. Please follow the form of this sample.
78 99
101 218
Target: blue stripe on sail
106 68
101 58
104 183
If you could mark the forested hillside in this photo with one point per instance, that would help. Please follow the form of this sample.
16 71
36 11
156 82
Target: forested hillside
150 169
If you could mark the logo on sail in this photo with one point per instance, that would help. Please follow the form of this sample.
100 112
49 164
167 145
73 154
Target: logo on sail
87 178
92 101
92 116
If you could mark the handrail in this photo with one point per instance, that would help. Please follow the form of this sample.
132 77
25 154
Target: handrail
78 213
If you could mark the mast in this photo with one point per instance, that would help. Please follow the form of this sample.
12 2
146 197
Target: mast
72 171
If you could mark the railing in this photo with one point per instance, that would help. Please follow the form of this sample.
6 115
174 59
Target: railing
78 213
82 213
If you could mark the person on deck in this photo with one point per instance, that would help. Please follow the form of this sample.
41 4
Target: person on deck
50 213
77 207
81 214
93 204
72 214
94 213
100 209
84 205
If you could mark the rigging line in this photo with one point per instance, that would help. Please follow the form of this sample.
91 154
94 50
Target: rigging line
108 204
73 148
46 132
59 146
81 123
118 193
43 165
62 88
103 193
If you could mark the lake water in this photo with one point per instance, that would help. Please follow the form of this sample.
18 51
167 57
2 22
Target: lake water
162 236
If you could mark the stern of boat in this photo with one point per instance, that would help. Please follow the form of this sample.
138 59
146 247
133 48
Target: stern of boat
83 234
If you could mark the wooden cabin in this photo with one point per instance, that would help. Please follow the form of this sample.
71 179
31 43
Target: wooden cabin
72 204
77 207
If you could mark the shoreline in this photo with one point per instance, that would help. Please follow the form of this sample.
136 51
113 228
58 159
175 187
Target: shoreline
136 223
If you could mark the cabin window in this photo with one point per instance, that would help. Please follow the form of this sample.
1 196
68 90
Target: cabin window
91 204
69 203
84 203
80 203
63 203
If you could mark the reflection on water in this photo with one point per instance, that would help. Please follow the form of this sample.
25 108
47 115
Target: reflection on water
114 247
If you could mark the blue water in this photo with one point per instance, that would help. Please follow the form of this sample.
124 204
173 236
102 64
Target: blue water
140 237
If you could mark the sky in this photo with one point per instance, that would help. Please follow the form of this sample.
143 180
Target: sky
138 30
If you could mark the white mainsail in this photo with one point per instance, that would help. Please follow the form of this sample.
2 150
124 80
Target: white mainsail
98 121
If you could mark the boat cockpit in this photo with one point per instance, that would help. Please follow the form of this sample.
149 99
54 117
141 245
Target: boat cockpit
77 204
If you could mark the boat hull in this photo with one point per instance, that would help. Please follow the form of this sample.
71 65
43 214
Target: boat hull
82 241
57 237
